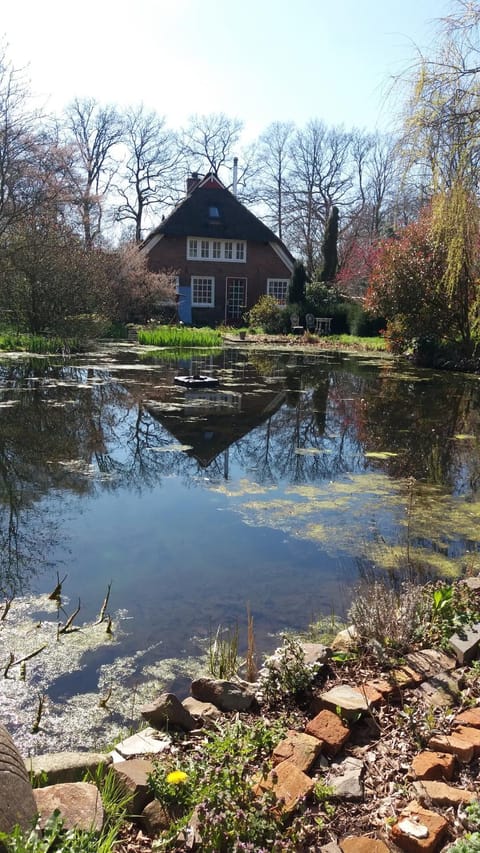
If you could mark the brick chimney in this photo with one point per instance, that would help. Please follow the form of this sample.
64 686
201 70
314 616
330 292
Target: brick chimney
193 181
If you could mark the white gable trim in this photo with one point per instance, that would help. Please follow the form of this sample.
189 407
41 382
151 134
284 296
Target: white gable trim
151 243
282 255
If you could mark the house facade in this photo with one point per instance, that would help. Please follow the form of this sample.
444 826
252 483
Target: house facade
223 256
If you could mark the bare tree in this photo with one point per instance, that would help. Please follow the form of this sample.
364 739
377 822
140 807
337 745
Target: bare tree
150 172
91 133
209 141
274 160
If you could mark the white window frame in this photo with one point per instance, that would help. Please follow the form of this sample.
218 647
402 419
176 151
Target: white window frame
213 249
273 288
203 281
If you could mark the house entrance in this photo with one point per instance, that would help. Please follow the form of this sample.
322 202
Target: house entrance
235 299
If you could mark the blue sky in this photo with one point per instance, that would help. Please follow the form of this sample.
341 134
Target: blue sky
258 60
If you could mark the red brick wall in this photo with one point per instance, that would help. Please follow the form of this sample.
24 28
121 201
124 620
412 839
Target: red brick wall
262 263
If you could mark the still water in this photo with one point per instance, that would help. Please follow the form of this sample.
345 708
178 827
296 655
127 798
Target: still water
273 490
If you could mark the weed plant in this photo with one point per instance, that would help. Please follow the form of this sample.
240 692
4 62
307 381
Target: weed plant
216 787
178 337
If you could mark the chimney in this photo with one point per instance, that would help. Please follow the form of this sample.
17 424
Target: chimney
192 182
235 176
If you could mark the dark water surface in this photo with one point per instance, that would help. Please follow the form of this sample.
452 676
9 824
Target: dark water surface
274 489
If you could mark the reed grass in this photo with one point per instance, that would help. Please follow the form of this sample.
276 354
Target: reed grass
177 337
223 652
23 342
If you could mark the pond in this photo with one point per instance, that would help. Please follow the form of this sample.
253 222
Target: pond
273 491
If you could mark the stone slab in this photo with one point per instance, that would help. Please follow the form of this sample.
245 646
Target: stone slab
469 717
330 730
346 779
350 701
315 653
143 743
429 662
465 644
436 766
441 794
59 767
454 744
442 690
133 776
288 783
298 747
363 844
414 814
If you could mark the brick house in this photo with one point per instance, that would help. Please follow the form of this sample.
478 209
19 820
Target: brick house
224 257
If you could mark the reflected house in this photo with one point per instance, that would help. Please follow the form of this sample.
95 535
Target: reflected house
210 421
224 257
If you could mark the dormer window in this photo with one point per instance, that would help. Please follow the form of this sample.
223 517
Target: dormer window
206 249
213 212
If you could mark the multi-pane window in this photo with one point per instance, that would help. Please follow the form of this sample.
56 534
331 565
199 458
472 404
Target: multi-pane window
203 291
278 288
203 249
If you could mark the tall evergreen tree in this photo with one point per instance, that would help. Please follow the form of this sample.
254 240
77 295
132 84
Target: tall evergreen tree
296 291
329 247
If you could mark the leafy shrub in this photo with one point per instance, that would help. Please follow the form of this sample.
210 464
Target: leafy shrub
285 674
268 314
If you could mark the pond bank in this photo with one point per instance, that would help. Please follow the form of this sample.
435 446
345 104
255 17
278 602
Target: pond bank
371 757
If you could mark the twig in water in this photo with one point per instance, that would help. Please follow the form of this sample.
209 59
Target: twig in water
13 662
108 629
36 724
104 699
11 658
6 608
65 628
103 608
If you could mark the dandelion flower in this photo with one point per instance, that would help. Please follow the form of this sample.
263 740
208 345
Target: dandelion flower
176 777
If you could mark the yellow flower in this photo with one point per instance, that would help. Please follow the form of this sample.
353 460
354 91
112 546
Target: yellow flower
176 777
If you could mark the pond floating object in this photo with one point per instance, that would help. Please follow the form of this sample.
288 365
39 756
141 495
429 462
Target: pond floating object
197 380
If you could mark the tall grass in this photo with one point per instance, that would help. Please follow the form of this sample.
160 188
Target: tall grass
376 343
180 336
23 342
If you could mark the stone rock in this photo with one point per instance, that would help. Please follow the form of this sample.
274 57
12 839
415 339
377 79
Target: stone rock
207 712
299 748
436 766
349 700
17 803
346 779
288 783
455 744
226 695
430 662
362 844
155 817
441 794
143 743
168 712
65 766
409 831
330 848
472 735
315 653
465 644
388 689
405 676
345 640
469 717
133 777
473 583
79 803
329 729
442 690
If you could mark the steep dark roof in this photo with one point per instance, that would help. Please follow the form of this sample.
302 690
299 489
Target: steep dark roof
235 222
